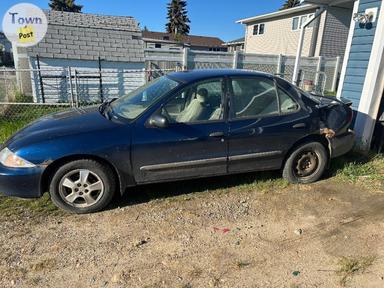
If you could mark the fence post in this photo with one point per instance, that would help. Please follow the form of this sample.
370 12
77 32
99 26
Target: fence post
235 59
40 79
144 75
318 70
77 90
185 58
336 74
5 86
279 65
70 86
101 81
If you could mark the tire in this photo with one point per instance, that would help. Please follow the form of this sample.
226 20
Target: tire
306 164
82 186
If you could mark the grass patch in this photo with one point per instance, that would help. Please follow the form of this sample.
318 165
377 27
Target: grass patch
265 182
15 117
348 267
360 169
17 207
8 128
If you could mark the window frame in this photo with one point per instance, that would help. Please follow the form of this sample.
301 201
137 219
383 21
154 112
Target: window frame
258 25
224 101
231 116
290 96
300 21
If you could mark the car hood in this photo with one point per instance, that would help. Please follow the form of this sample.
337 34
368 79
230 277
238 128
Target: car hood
61 124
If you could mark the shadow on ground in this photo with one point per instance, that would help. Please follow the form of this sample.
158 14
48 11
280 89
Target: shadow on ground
146 193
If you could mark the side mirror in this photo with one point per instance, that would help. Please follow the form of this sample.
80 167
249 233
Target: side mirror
159 121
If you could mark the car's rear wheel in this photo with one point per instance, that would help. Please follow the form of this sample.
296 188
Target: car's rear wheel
82 186
306 164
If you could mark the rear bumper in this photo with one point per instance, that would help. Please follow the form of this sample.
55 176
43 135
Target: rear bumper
21 182
342 144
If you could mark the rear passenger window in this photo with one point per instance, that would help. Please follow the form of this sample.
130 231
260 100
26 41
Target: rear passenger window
287 104
254 97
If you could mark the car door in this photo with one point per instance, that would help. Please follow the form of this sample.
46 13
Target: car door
265 121
192 145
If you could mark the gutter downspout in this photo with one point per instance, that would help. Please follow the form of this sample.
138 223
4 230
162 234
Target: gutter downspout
301 43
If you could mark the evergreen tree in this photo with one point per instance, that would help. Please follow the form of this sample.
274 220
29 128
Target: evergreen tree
290 4
65 5
177 18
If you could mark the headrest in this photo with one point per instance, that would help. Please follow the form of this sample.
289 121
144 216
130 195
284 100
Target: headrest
202 95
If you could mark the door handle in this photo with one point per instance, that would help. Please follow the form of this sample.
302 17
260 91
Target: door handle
299 126
216 134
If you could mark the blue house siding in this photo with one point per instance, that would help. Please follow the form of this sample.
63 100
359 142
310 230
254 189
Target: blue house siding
359 56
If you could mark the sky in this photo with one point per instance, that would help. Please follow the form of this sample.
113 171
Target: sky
208 17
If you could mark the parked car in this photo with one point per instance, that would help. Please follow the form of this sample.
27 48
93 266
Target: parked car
180 126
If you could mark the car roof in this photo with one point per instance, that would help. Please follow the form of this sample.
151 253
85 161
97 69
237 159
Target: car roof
195 75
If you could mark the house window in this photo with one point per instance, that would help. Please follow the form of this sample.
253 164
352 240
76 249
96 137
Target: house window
157 45
261 29
258 29
299 21
166 38
303 19
295 23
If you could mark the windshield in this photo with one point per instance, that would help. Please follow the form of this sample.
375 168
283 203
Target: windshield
137 101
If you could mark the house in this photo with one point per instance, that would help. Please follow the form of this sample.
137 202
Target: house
362 74
235 45
85 42
5 51
161 40
279 32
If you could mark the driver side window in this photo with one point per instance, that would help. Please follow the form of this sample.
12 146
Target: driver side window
196 103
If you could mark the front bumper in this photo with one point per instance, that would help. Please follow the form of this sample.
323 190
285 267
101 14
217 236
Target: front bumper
342 144
21 182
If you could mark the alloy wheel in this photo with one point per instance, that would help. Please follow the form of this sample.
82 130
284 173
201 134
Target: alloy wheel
81 188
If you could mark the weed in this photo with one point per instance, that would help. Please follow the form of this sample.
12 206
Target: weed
350 266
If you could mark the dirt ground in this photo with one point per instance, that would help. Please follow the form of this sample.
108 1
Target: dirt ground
205 233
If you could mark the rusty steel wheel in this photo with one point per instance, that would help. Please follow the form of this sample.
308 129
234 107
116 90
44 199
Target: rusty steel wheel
306 164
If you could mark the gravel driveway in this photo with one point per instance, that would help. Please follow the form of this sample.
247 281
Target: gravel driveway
205 233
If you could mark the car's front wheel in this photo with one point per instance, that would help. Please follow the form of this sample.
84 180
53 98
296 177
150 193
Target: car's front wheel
82 186
306 164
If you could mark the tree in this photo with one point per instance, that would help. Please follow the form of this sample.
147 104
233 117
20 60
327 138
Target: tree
177 18
65 5
290 4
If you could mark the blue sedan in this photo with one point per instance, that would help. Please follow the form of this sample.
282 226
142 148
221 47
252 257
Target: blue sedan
181 126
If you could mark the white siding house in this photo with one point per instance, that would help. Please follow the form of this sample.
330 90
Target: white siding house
279 32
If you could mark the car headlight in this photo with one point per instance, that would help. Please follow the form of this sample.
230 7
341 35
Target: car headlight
10 159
